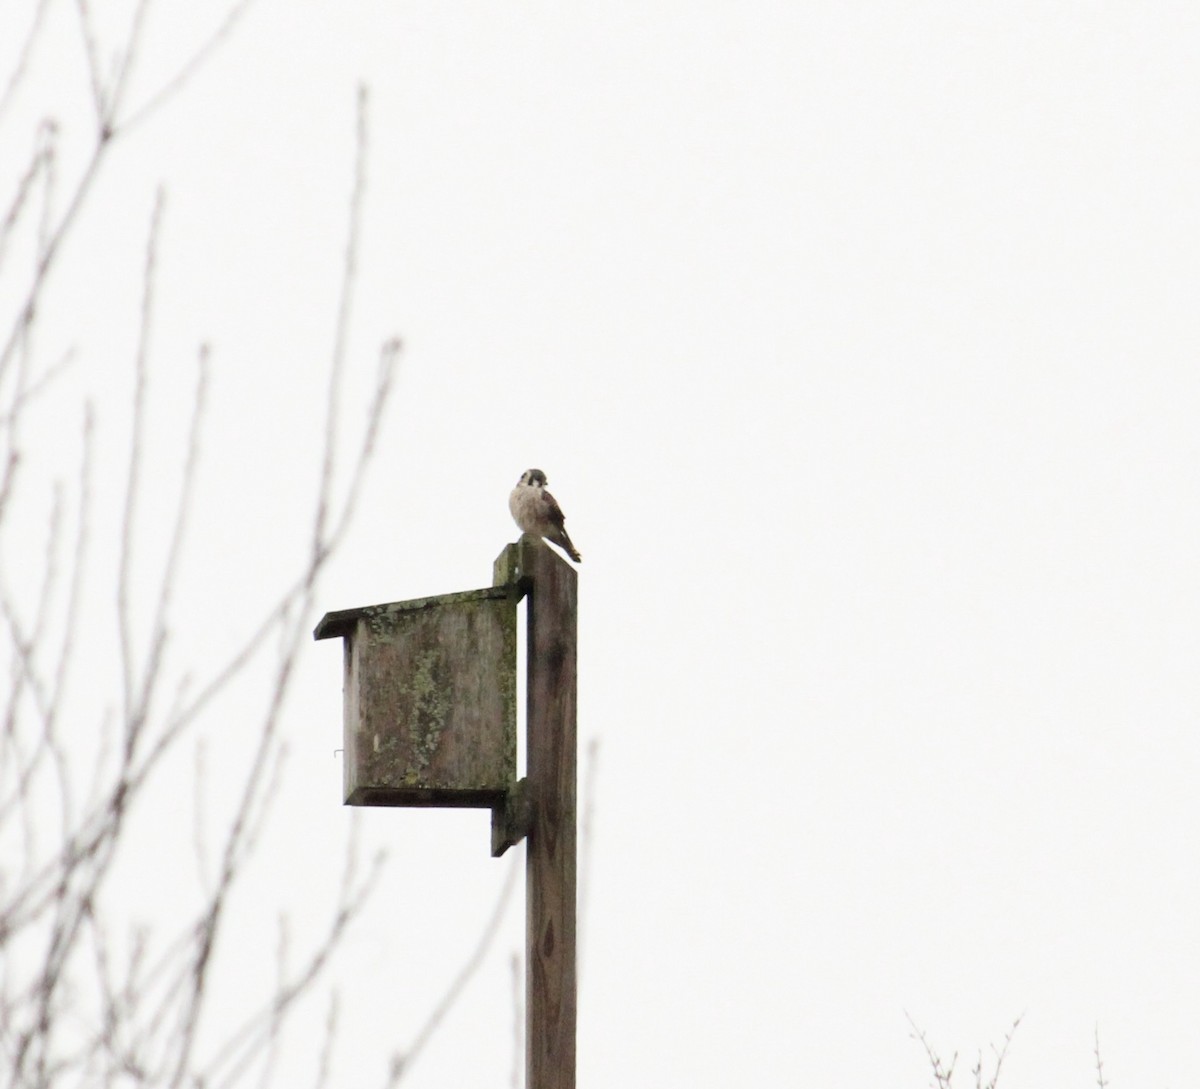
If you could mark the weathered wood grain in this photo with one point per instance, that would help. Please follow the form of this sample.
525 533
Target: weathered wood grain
550 845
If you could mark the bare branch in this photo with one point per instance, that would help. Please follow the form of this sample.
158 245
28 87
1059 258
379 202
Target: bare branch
199 780
1100 1080
125 63
342 328
326 1062
189 69
233 1055
92 53
44 151
22 65
275 1017
943 1076
35 387
586 844
389 354
518 1011
1001 1053
25 645
182 510
401 1062
50 250
133 711
88 1009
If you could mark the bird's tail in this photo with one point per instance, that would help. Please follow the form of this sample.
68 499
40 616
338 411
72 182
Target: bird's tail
565 542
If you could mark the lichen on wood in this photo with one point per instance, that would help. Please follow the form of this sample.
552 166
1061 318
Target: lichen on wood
430 699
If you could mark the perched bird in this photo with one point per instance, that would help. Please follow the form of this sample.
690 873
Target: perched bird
537 512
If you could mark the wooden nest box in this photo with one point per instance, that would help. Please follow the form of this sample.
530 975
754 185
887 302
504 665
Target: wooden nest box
430 699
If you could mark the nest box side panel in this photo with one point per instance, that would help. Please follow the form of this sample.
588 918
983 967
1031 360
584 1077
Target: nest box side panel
431 704
349 720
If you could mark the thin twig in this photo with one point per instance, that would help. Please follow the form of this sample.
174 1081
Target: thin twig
342 327
22 65
50 252
92 54
518 1016
275 1022
1002 1053
389 354
189 69
325 1064
943 1076
178 530
586 846
37 386
44 152
199 781
401 1062
125 63
1100 1080
133 711
233 1055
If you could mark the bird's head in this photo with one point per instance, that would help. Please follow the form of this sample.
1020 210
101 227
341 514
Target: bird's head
534 477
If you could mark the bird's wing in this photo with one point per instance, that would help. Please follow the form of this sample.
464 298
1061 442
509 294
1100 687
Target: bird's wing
552 510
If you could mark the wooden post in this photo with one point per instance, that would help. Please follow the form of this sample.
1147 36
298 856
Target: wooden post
550 846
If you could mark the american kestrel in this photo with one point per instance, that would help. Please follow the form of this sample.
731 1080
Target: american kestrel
537 512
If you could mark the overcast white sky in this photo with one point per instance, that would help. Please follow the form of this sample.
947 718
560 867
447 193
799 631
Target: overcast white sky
859 344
